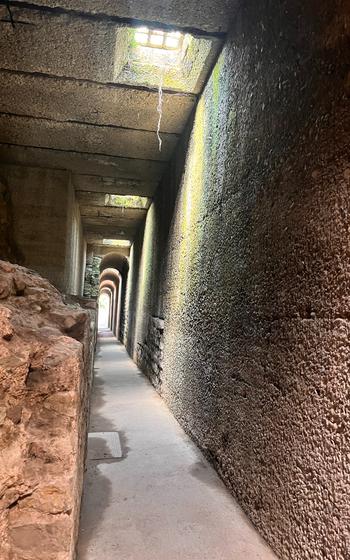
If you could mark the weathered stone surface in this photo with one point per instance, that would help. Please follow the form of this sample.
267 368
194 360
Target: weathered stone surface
150 351
187 13
124 168
98 104
45 365
89 49
40 224
246 256
85 138
92 276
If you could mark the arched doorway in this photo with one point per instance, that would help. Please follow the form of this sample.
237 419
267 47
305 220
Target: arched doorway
104 308
113 275
111 281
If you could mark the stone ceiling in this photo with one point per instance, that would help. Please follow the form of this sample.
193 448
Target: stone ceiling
62 106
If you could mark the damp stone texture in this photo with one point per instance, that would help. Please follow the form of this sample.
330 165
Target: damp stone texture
92 276
247 242
150 352
46 351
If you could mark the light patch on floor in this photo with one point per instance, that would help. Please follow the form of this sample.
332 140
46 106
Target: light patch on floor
104 445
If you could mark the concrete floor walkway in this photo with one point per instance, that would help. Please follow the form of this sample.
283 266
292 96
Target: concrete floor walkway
161 500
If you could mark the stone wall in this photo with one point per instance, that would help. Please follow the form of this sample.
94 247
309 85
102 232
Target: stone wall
41 224
248 248
46 352
150 352
8 246
92 276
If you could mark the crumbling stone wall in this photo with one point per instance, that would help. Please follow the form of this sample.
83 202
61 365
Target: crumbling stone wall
45 369
252 274
92 276
150 352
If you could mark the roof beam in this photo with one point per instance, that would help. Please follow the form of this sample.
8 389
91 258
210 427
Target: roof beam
81 162
107 18
86 81
87 124
110 185
109 141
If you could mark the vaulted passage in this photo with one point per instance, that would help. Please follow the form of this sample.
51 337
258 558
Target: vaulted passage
174 176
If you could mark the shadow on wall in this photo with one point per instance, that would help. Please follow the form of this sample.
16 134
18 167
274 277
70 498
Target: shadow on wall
8 248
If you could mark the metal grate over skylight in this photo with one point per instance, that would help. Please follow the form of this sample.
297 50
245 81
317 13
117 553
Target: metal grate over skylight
158 39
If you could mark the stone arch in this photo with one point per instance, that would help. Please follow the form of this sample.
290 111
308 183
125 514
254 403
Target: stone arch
114 267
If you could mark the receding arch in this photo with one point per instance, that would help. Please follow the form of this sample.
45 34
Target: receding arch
114 288
114 269
104 308
115 260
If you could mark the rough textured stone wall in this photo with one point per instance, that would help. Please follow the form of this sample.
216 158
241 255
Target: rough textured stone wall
92 276
252 275
45 369
38 211
150 352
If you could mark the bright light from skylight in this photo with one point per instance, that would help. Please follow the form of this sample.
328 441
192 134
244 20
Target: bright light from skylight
117 242
158 39
127 201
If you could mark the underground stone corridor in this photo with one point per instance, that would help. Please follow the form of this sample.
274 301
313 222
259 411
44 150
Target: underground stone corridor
159 497
174 280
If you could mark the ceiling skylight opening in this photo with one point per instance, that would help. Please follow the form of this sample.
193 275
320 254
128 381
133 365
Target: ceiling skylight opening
158 39
127 201
117 242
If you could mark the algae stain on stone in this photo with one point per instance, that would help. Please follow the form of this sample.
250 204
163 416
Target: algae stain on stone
191 206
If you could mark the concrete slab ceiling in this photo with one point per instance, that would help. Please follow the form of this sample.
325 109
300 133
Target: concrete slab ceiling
80 93
83 163
96 234
107 140
112 185
101 250
84 102
78 47
205 15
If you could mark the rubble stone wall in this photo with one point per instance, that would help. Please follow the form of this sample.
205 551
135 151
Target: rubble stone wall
92 276
150 352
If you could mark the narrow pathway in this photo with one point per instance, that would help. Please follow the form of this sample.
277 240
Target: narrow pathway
161 500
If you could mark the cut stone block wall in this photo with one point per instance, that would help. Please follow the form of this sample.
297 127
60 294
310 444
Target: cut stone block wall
40 224
46 350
